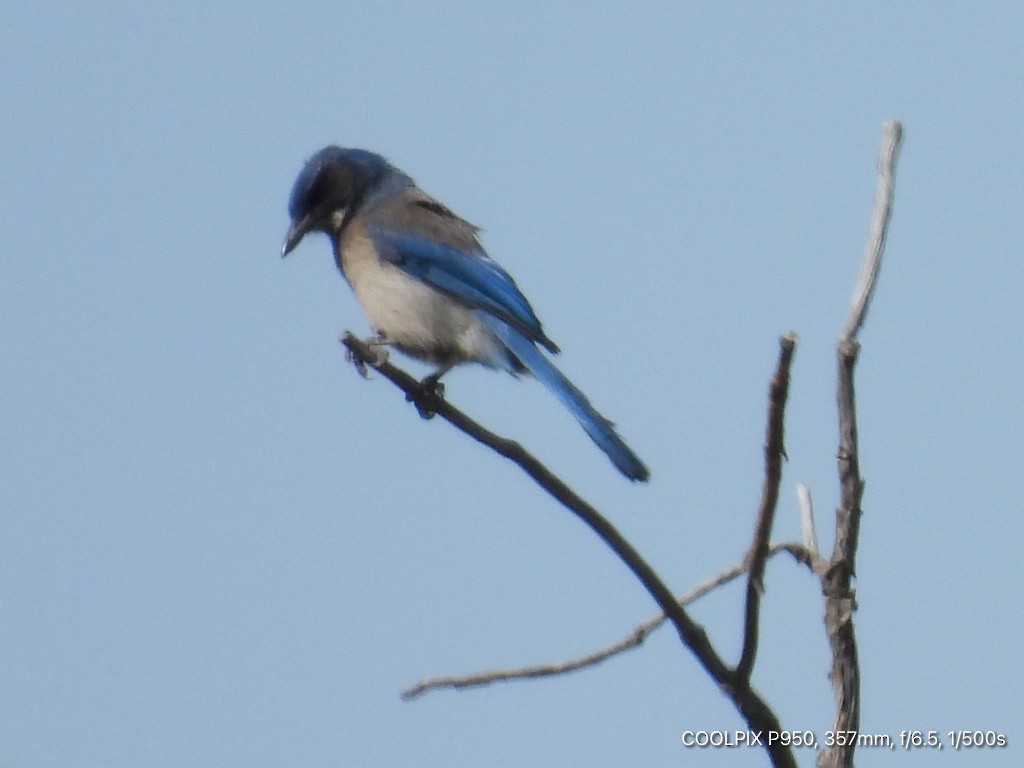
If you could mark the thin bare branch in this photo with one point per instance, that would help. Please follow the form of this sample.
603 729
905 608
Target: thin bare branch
840 597
892 134
633 640
754 710
774 452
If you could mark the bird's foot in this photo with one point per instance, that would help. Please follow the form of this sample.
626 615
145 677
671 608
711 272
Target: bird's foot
431 391
377 345
433 384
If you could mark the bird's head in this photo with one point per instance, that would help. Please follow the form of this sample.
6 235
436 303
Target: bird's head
332 183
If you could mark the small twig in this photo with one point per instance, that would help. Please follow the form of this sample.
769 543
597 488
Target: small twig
774 451
633 640
840 598
810 531
753 708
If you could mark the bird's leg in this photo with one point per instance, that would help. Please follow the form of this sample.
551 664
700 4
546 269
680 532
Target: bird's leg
431 389
378 343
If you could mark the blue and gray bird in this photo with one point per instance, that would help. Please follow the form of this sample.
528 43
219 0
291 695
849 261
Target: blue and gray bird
425 282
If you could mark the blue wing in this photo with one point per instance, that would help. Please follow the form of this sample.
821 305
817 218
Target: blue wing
472 278
428 242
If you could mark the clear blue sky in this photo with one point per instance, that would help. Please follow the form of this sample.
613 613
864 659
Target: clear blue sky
221 547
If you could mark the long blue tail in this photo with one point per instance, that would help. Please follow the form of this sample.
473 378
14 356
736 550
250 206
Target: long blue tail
600 429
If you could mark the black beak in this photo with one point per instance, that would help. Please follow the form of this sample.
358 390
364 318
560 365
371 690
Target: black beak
296 232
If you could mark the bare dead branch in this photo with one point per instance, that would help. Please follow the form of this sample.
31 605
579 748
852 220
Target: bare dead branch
754 710
633 640
774 452
840 597
892 134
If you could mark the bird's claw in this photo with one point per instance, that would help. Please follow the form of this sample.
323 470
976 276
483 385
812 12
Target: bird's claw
379 356
430 391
